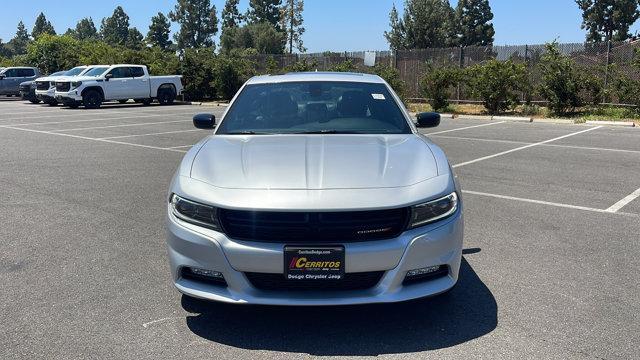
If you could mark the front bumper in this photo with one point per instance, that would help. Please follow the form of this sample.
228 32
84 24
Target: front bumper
69 96
436 244
46 95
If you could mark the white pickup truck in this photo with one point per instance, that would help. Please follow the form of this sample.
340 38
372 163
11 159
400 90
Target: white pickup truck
117 83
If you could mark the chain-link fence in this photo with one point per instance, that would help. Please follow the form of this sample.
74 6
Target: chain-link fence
603 60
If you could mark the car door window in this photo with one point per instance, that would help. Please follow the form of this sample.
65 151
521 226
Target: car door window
11 73
136 72
26 72
120 72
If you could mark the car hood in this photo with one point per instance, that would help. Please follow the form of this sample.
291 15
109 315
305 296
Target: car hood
314 161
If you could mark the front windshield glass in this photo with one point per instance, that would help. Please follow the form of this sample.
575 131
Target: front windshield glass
59 73
97 71
75 71
315 107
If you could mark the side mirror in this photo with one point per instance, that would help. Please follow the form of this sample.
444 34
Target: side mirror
2 76
427 119
108 76
204 121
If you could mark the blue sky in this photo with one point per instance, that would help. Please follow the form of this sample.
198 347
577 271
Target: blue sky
337 25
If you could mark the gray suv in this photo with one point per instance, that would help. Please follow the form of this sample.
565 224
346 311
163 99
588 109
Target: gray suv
11 77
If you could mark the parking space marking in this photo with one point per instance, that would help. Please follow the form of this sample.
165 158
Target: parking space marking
95 139
548 145
548 203
92 120
180 147
465 128
622 203
118 126
524 147
150 134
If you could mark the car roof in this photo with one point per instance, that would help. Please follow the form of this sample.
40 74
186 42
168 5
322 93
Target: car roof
316 76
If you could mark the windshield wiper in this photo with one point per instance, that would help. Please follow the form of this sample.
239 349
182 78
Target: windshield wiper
326 131
247 132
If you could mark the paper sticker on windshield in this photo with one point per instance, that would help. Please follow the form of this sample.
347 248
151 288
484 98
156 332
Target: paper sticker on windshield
378 96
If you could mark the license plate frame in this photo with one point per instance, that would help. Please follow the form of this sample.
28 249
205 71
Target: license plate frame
314 263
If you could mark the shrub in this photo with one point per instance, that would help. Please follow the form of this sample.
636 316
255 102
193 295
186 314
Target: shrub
302 66
561 82
345 66
51 53
229 73
392 76
436 85
496 83
197 71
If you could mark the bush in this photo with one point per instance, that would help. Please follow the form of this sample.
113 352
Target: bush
197 71
302 66
345 66
229 73
436 85
392 76
561 82
51 53
497 83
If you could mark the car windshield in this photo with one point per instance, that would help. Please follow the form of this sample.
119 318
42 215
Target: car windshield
59 73
315 107
97 71
75 71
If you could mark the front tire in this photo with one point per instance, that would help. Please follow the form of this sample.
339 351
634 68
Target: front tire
34 101
146 102
52 103
92 99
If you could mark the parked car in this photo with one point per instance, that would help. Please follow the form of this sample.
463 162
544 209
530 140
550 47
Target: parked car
46 86
12 77
315 189
28 92
118 83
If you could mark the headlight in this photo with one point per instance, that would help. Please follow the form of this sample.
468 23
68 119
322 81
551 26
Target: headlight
195 213
435 210
75 84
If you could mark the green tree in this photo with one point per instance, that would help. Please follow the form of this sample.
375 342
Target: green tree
608 19
265 11
159 29
51 53
473 23
198 23
424 24
291 21
261 37
42 26
115 29
134 39
18 45
561 82
496 83
86 29
231 16
395 36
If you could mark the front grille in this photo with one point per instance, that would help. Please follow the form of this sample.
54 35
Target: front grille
25 88
42 85
313 227
63 86
350 281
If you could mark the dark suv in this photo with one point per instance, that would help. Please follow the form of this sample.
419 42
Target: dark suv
12 77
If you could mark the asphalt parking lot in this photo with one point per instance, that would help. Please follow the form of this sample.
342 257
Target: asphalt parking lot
550 270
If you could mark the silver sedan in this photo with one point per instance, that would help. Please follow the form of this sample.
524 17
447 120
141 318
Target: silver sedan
315 189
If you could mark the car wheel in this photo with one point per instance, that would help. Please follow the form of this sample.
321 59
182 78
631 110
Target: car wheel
122 101
92 99
146 102
52 103
166 96
34 101
138 101
73 105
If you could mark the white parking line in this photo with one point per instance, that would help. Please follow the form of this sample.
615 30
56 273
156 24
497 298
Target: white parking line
96 139
540 202
523 147
92 120
150 134
622 203
548 145
117 126
180 147
465 128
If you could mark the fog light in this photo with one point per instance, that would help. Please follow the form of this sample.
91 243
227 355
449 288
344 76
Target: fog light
204 275
423 271
425 274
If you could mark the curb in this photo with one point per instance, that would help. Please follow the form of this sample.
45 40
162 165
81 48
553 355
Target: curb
554 121
611 123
